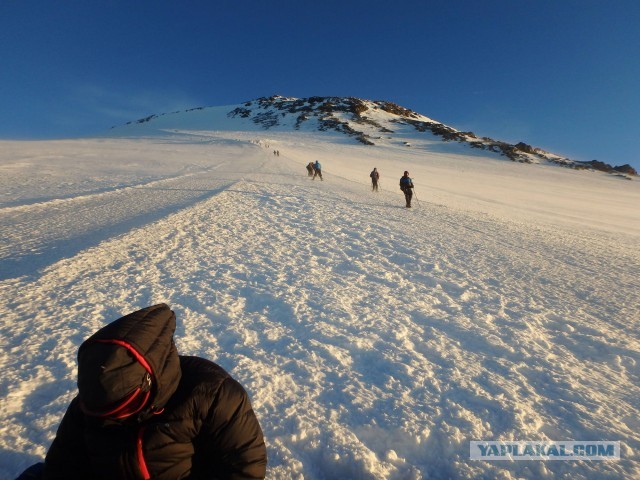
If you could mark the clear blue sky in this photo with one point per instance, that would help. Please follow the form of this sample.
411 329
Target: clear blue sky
563 75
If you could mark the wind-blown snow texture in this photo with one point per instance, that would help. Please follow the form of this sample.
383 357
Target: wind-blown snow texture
375 341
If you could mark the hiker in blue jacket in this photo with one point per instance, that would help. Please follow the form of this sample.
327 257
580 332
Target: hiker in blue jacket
317 170
406 185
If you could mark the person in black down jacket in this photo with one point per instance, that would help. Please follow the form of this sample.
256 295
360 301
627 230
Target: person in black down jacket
145 412
406 185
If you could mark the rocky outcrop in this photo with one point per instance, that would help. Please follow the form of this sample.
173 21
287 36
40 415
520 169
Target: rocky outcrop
605 167
358 118
626 168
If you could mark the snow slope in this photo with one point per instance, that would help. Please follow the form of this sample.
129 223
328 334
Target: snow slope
375 341
370 122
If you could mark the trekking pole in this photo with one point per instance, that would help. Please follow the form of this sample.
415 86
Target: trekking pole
415 196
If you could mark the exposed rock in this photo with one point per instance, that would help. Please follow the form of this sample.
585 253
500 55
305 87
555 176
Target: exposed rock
242 112
523 147
626 168
353 116
605 167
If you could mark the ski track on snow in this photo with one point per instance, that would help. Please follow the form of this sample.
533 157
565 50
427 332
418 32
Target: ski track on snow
375 342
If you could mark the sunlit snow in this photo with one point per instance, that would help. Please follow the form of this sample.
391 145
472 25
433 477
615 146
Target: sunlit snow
375 341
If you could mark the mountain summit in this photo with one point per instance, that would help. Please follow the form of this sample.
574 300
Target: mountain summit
370 122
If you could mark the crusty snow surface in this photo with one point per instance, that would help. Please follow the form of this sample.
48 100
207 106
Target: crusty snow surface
375 341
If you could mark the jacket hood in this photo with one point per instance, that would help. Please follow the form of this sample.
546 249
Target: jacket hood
116 359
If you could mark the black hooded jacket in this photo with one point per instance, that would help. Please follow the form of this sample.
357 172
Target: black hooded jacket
197 423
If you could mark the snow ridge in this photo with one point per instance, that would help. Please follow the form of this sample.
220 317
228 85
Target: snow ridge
368 122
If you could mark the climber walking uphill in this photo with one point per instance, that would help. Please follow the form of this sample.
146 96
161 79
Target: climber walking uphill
406 185
317 170
310 169
143 411
375 176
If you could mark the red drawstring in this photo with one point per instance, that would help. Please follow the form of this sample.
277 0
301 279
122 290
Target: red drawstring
141 462
134 402
134 352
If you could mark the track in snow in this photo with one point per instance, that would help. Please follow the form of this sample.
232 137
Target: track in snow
375 342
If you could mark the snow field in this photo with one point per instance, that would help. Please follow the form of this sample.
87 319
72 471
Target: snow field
375 342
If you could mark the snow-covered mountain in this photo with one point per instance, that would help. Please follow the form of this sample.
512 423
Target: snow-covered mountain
375 341
366 121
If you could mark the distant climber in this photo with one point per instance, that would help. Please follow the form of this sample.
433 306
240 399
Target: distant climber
317 170
406 185
375 176
310 169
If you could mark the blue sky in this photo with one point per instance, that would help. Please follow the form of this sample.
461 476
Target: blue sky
563 75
